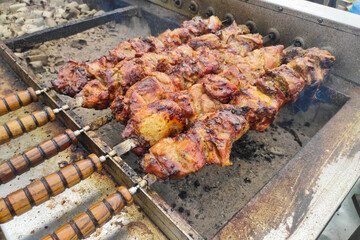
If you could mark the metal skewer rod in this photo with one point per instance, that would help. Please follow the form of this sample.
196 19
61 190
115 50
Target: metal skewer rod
19 99
21 163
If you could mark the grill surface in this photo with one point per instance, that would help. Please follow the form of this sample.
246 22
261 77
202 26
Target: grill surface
295 159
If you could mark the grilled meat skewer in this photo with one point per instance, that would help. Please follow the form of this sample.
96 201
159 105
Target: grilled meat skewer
184 64
162 118
182 75
73 76
210 139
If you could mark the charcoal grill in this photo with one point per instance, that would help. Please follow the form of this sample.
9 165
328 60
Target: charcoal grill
286 182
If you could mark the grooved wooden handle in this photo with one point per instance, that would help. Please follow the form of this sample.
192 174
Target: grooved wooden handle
41 190
17 100
97 215
21 163
26 123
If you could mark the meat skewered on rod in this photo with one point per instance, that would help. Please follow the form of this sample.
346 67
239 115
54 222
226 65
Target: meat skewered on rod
154 118
255 107
21 163
183 64
73 76
28 122
211 60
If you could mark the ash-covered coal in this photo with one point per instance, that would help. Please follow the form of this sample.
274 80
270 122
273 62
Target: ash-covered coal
28 16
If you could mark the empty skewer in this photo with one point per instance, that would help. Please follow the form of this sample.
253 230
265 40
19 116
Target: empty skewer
27 123
19 99
34 194
21 163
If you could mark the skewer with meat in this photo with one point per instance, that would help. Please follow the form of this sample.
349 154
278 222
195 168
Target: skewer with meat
73 76
162 118
184 64
210 139
183 75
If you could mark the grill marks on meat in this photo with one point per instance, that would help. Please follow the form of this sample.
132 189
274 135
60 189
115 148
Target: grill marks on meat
73 76
206 96
210 139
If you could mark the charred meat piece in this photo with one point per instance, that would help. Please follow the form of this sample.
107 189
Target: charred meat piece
72 77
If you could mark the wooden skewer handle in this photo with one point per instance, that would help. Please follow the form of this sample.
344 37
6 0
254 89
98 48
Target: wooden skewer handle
21 163
97 215
41 190
26 123
17 100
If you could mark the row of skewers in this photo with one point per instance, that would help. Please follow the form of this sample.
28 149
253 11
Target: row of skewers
186 96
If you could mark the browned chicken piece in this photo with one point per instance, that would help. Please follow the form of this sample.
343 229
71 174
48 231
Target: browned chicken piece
150 125
184 74
206 96
210 139
72 76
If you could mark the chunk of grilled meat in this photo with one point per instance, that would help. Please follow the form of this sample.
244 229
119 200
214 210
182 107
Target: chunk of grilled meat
210 139
184 74
71 77
206 96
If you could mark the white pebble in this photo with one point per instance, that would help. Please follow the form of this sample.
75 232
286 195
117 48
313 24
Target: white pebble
16 6
3 18
20 21
47 14
72 4
35 21
84 7
36 13
59 12
22 9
